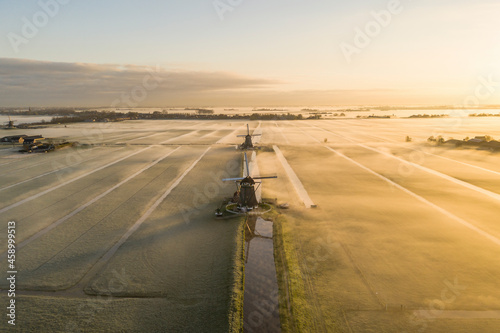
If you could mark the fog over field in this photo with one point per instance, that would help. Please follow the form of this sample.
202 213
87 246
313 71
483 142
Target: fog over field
250 166
120 231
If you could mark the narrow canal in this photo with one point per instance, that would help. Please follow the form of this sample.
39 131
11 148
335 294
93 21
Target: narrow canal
261 306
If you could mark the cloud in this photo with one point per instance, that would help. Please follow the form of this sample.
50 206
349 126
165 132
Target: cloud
30 82
39 83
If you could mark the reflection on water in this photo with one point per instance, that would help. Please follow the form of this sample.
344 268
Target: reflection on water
260 309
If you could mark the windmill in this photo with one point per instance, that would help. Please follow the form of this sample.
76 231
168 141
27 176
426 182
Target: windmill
245 194
10 123
248 139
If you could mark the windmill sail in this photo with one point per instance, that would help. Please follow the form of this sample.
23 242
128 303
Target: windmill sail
247 195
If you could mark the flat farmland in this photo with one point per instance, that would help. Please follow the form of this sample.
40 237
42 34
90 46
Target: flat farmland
405 236
118 233
124 229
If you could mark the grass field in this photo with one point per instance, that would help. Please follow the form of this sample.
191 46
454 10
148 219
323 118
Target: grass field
124 229
119 234
386 249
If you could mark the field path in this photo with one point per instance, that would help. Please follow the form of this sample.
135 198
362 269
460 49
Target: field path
51 172
490 194
70 181
97 198
53 158
231 136
297 184
105 258
422 199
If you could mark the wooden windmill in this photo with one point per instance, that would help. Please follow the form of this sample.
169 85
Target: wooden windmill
246 187
248 144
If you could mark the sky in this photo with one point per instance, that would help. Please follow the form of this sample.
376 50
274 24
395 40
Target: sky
249 53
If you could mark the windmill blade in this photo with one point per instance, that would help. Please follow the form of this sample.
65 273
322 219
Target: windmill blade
248 129
241 136
246 162
232 179
256 134
268 177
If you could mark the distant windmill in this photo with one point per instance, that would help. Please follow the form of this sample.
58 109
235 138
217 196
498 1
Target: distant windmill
10 124
248 140
245 193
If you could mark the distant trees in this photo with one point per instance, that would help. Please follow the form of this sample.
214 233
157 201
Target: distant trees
205 111
111 116
439 140
133 115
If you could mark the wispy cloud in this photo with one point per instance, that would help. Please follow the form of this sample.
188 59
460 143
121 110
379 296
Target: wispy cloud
24 82
41 83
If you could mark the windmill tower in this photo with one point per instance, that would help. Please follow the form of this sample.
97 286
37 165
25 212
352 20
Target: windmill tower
10 124
248 140
245 193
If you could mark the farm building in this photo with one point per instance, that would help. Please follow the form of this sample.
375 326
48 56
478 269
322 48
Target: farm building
455 142
491 145
476 141
29 140
13 138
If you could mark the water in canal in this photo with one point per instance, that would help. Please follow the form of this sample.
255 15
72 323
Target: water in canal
261 307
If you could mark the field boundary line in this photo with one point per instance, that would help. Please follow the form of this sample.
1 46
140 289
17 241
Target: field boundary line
41 162
427 153
122 138
10 160
48 173
96 223
458 314
221 140
259 131
470 186
208 134
180 136
361 274
340 136
114 138
297 184
460 162
87 204
69 181
422 199
143 137
105 258
280 130
309 135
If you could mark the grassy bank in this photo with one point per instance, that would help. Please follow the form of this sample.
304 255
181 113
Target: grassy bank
295 311
238 285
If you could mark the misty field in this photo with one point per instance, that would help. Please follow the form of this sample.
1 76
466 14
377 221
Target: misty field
122 227
118 233
393 246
